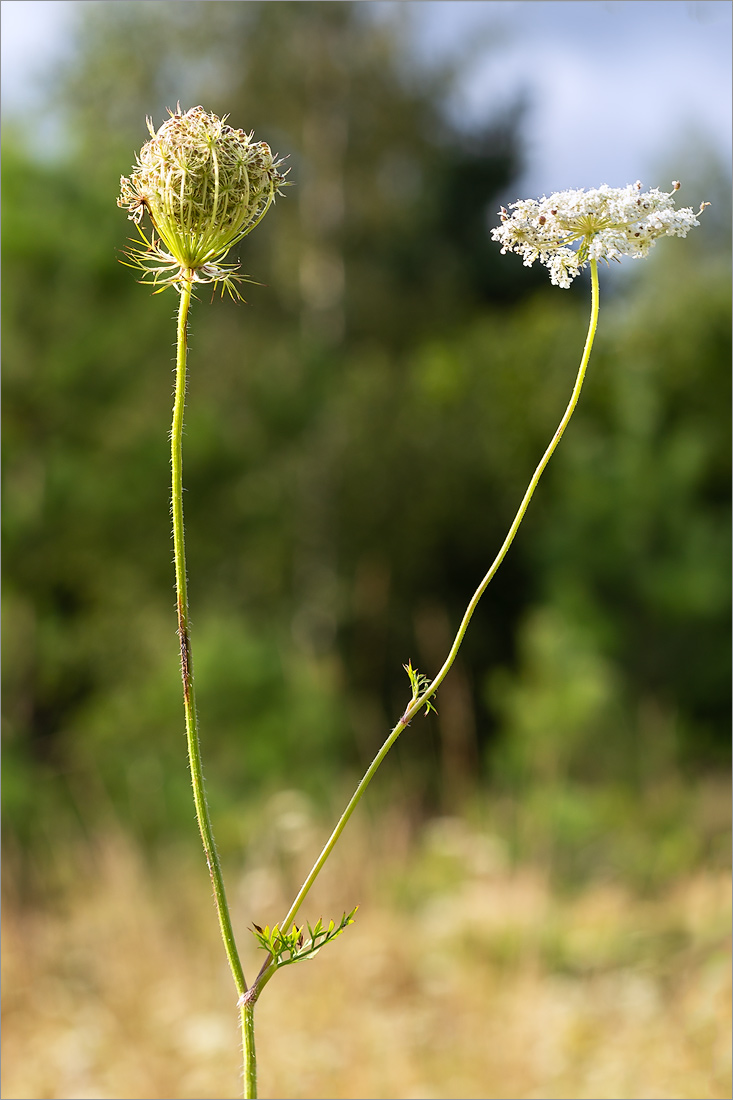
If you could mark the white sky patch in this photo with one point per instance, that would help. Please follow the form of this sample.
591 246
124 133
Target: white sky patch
615 89
33 33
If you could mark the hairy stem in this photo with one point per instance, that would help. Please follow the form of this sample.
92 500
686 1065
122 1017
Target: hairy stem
250 1056
419 701
189 699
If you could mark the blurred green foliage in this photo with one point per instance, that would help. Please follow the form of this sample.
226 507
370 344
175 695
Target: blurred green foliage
357 440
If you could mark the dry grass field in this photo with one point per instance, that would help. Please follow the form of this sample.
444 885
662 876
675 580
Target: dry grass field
486 983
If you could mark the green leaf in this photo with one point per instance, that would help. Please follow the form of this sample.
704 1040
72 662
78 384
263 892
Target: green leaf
290 947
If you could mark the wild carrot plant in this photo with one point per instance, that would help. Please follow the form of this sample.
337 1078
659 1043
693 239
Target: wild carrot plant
204 186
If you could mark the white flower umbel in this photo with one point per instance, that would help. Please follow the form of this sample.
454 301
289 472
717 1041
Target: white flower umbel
570 228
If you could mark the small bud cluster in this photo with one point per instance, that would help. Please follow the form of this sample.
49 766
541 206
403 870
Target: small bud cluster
205 186
605 223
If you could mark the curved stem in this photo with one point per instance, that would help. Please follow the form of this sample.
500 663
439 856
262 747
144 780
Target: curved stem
419 701
435 684
189 699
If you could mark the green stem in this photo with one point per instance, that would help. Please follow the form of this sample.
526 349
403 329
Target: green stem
435 684
418 702
248 1046
189 699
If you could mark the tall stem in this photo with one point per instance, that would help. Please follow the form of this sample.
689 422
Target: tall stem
189 699
268 970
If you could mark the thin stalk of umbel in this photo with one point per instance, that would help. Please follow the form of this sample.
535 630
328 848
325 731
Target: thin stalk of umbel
417 704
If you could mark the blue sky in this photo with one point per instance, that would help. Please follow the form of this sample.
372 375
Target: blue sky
618 90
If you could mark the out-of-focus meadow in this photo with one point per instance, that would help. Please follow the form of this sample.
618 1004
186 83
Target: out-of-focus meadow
542 868
465 975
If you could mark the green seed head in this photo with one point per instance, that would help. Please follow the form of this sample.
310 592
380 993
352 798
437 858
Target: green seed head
205 186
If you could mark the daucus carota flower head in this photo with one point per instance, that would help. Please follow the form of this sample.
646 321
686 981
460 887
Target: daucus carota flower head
603 224
205 186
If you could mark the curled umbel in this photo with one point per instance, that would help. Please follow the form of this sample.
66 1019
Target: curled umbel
204 186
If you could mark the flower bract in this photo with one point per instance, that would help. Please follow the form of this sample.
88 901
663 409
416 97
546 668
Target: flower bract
204 186
570 228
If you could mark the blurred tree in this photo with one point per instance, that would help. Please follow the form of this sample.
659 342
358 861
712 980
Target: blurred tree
647 486
362 251
358 436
